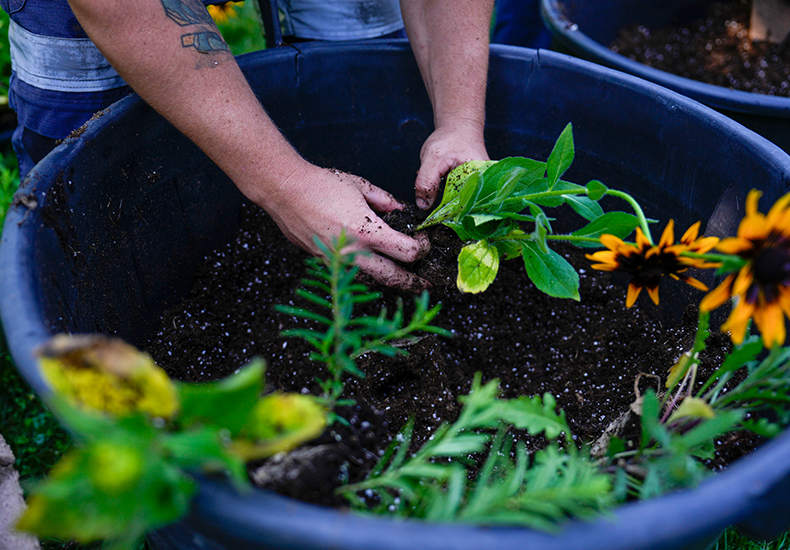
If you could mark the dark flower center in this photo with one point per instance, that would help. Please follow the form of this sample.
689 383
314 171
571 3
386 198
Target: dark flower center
772 265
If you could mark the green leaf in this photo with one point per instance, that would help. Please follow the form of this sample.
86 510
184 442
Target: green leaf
204 449
458 176
619 224
461 445
468 195
561 156
227 403
535 415
550 272
478 264
596 190
509 249
584 206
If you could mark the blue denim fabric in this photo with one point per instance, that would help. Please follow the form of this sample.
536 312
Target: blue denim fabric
518 23
45 114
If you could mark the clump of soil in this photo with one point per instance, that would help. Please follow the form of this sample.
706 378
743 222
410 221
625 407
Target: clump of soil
715 49
587 353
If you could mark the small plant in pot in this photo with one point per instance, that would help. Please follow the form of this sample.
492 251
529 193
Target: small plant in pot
475 469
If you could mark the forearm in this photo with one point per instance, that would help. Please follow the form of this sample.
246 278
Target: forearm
450 42
171 54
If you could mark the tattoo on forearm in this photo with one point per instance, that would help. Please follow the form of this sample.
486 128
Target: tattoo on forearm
193 12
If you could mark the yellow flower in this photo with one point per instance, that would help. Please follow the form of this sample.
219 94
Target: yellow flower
222 13
647 263
108 375
761 288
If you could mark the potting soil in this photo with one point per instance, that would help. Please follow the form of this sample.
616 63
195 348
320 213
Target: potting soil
715 49
587 354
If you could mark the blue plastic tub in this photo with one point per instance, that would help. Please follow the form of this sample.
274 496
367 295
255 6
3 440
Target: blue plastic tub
585 29
125 213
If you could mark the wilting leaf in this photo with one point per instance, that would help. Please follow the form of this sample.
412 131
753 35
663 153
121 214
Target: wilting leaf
107 375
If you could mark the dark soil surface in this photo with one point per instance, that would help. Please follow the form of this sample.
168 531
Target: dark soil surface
587 354
715 49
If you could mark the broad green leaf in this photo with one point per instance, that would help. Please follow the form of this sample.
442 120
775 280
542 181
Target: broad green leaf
619 224
596 190
585 207
458 176
561 155
487 226
478 264
227 403
468 194
509 249
550 272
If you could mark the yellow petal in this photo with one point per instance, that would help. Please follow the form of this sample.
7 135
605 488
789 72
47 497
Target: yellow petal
705 244
606 256
696 283
738 321
751 201
718 296
777 211
770 321
743 281
734 245
691 233
605 267
641 241
612 242
753 228
653 293
633 294
668 236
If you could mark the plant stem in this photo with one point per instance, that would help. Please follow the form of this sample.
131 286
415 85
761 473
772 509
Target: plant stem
637 210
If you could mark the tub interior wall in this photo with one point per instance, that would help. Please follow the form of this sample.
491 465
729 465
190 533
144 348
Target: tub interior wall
163 205
602 23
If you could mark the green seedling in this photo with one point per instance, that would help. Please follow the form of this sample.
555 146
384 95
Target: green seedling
500 209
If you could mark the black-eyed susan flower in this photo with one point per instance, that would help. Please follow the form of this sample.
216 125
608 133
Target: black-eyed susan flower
107 375
222 13
761 287
646 263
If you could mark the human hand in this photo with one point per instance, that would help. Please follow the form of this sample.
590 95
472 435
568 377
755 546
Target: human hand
319 201
446 148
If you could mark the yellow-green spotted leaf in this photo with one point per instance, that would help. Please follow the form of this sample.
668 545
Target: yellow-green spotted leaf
693 408
280 422
107 375
478 264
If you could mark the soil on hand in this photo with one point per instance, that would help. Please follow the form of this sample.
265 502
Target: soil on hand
587 354
715 49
